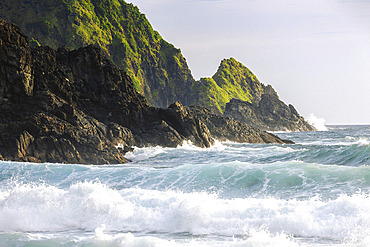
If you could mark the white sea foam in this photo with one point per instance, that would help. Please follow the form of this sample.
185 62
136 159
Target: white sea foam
350 138
188 145
129 240
363 142
145 153
89 205
253 239
318 123
188 153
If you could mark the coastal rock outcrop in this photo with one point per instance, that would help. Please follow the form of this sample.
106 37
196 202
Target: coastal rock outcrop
76 106
228 129
169 127
269 113
234 91
156 68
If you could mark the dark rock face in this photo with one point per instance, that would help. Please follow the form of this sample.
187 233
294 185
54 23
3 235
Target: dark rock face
76 107
269 113
158 69
229 129
174 124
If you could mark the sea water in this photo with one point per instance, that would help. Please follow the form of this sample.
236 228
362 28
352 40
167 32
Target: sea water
313 193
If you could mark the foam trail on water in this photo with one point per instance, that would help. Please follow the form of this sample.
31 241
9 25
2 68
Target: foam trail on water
314 193
318 123
254 239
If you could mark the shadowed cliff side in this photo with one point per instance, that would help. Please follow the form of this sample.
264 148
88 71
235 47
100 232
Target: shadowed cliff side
228 129
76 106
157 69
269 113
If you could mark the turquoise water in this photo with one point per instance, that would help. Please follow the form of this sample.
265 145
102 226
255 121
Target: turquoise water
312 193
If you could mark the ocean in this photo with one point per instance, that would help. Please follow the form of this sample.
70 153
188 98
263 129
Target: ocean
313 193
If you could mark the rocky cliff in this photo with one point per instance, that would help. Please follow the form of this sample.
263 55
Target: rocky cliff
157 69
76 106
228 129
269 113
232 80
235 91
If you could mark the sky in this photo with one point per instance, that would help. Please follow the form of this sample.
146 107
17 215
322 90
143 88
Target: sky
315 53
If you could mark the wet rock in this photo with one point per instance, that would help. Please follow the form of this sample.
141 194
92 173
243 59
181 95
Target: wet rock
229 129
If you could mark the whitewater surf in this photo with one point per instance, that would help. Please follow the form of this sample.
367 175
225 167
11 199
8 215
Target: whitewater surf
313 193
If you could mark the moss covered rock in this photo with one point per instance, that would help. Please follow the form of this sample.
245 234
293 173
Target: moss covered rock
235 91
157 69
232 80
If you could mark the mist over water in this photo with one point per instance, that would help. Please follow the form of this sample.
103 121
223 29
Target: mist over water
312 193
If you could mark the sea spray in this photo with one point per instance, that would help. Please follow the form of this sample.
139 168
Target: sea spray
313 193
88 206
318 123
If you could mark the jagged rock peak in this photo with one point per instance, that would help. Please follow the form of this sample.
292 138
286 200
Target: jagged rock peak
236 92
269 114
240 72
232 80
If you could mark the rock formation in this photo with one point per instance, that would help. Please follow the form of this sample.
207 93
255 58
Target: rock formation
229 129
269 113
236 92
232 80
157 69
76 106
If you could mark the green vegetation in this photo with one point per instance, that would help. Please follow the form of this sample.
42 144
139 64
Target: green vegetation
232 80
118 28
210 94
157 69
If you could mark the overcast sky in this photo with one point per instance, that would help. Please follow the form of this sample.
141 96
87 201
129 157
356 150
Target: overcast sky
315 53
